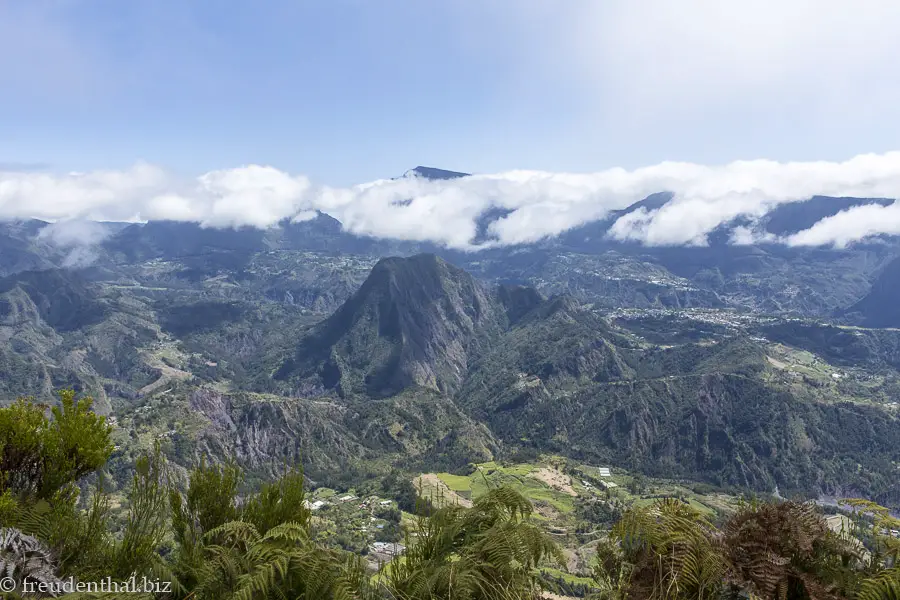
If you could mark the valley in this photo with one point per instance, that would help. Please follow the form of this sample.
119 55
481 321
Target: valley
591 380
284 345
639 340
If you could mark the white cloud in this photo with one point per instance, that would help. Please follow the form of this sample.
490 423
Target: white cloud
76 237
98 195
850 226
656 58
253 195
541 204
748 236
70 233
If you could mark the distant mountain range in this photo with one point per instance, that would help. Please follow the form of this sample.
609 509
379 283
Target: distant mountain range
583 261
746 366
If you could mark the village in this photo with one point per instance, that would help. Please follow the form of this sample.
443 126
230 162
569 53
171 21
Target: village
369 525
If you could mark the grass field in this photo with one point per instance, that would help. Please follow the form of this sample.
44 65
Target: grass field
519 476
564 493
457 483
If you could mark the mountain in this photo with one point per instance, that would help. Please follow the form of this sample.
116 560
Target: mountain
592 236
433 173
414 321
584 261
752 365
18 252
553 375
703 411
793 217
171 239
423 365
63 330
60 298
784 219
880 307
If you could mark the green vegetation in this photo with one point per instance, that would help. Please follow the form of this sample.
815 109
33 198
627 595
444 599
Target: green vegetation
212 540
486 552
214 373
43 458
457 483
425 369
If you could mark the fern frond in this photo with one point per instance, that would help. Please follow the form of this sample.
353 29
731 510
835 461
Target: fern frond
884 586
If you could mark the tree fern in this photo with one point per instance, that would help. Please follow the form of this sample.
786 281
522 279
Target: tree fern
672 552
25 558
883 582
489 551
883 586
785 550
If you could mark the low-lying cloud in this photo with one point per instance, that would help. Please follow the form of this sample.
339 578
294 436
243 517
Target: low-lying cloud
538 204
77 238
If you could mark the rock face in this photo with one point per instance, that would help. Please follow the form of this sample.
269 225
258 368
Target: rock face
433 173
214 406
554 375
330 438
880 308
62 298
414 322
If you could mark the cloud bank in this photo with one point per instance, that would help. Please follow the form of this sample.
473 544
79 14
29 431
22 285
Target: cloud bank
77 238
539 204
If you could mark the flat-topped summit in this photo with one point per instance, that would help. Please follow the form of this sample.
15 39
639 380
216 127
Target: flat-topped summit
433 173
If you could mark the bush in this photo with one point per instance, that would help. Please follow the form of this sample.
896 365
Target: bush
40 457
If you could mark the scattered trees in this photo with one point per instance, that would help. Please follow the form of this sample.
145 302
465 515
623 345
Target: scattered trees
211 543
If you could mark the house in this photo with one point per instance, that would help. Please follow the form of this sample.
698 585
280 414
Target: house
385 502
387 549
604 472
347 497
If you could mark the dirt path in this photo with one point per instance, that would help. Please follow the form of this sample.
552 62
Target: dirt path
776 363
558 481
429 482
167 374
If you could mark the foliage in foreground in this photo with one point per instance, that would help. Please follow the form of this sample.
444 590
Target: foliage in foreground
488 552
213 544
772 551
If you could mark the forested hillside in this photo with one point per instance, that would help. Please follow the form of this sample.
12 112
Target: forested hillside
715 376
200 539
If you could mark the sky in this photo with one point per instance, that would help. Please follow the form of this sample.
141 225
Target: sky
238 112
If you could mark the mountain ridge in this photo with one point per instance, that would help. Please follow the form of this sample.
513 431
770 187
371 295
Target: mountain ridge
408 312
557 377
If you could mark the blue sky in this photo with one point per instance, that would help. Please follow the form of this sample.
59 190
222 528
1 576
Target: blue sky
344 90
348 91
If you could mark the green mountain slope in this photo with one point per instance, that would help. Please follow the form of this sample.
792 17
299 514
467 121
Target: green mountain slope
426 367
558 378
414 322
